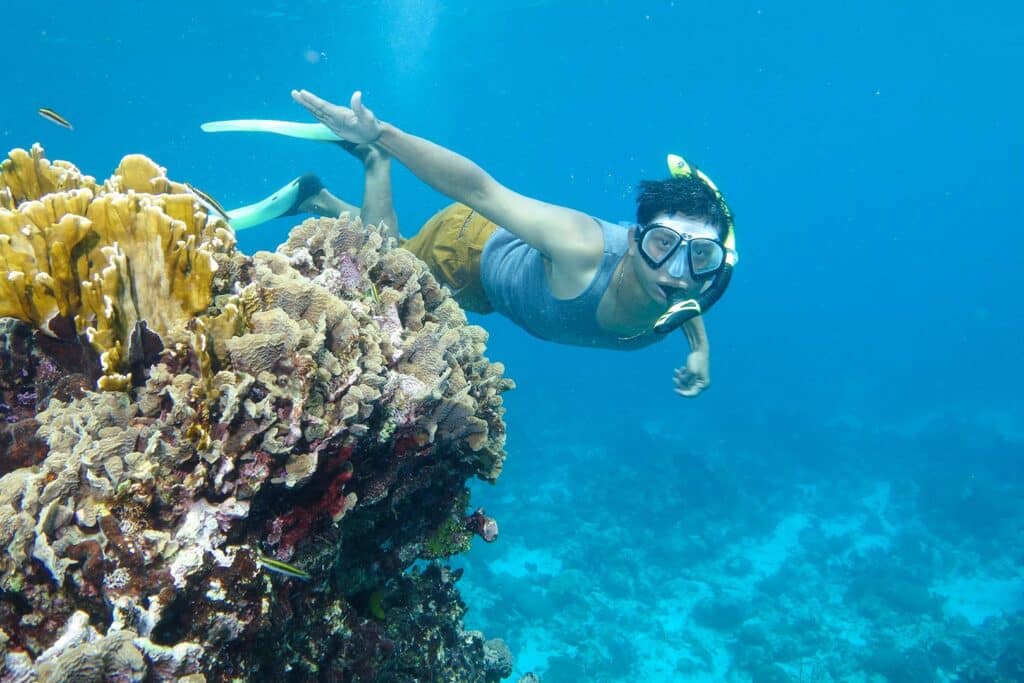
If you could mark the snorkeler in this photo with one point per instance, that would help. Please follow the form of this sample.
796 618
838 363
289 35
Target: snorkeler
560 274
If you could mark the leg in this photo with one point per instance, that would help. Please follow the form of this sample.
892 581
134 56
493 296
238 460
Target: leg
318 200
378 205
307 194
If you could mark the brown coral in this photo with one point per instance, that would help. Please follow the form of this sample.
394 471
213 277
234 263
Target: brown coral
438 384
324 404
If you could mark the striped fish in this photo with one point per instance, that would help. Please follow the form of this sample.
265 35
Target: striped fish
51 115
279 567
209 201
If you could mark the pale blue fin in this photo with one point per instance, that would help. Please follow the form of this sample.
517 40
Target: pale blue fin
283 202
276 205
292 129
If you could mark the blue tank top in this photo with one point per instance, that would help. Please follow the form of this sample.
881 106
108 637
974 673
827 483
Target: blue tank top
513 277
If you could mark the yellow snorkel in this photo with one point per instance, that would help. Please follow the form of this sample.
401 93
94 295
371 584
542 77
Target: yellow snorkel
686 309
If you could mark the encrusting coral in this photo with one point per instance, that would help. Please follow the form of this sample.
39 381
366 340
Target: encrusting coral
322 406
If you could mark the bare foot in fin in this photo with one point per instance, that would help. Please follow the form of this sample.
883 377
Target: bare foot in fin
311 197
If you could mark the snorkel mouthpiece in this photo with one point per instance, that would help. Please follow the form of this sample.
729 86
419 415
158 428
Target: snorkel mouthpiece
677 314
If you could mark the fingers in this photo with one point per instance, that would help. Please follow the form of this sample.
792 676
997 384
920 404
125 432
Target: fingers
362 112
305 98
313 104
689 391
689 384
318 107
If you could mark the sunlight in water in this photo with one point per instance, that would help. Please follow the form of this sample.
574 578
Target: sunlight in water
409 25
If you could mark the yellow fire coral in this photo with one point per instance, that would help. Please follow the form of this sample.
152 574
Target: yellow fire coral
139 248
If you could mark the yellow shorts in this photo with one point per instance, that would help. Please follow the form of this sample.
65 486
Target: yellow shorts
450 243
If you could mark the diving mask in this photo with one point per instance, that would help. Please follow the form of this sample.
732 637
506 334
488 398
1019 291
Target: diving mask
661 245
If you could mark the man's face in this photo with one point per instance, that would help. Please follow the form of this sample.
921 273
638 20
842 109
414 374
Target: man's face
672 281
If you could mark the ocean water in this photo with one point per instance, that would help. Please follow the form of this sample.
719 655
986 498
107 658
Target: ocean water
844 503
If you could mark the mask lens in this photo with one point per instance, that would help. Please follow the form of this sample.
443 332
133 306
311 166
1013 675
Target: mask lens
659 242
706 257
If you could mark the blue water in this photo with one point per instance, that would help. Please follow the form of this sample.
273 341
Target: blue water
863 437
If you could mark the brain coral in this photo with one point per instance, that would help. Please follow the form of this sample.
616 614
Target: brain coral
322 406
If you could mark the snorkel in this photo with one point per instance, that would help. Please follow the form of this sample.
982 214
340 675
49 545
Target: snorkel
687 309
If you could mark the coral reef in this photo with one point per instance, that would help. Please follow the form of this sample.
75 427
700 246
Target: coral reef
182 421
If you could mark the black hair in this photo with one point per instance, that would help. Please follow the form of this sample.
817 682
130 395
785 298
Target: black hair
688 195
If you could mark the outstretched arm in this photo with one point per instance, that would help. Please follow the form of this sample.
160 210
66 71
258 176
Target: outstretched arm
695 376
558 232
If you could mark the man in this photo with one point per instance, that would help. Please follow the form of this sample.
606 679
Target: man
560 274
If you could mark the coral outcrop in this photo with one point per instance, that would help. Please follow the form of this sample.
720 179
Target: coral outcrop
222 467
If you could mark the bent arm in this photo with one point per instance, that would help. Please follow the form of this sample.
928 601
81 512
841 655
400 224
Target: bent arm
696 334
695 376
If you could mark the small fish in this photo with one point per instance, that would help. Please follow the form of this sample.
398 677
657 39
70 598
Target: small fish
376 295
280 567
209 201
53 116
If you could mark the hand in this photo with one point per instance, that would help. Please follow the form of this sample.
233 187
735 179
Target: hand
696 376
356 124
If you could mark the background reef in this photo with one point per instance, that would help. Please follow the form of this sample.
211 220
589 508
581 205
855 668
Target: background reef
181 417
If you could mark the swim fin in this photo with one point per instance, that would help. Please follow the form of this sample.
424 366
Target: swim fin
284 202
292 129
